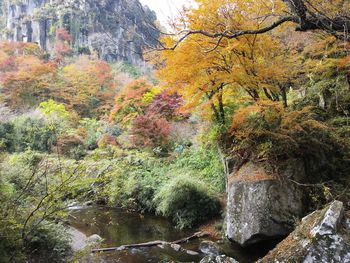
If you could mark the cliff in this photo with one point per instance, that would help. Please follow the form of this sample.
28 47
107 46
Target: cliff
115 29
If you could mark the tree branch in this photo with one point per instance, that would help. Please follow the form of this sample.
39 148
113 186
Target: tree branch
231 34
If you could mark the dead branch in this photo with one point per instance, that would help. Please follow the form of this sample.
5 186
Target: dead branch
152 243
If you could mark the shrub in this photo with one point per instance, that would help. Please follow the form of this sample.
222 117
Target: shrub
6 136
50 242
71 146
135 180
150 131
27 132
107 140
267 131
166 105
30 181
186 201
135 192
91 131
203 163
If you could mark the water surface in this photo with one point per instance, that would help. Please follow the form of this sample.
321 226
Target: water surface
119 227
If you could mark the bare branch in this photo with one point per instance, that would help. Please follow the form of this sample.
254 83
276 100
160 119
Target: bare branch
231 34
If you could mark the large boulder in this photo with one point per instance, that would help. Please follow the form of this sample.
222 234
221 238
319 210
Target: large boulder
263 205
322 237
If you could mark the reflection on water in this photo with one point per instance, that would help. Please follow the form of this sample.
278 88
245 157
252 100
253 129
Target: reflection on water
118 227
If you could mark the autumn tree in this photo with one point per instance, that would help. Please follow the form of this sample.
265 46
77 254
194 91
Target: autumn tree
25 77
305 15
86 87
62 45
150 131
166 106
132 101
211 75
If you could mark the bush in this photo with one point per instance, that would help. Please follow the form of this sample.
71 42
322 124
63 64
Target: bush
6 136
203 163
135 181
150 131
91 131
24 133
49 242
187 202
71 146
267 131
138 176
107 140
24 180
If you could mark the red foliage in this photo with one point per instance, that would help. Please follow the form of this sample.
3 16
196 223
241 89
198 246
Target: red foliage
66 143
7 64
150 131
166 105
62 47
107 140
63 35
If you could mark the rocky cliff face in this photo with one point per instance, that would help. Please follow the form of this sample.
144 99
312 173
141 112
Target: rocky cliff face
115 29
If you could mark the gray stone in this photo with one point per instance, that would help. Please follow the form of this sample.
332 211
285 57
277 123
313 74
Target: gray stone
78 239
322 237
218 259
94 239
262 205
210 248
192 253
176 247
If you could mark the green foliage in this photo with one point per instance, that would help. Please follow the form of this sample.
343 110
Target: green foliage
33 193
54 110
186 201
50 241
203 163
27 132
91 131
137 177
133 71
135 181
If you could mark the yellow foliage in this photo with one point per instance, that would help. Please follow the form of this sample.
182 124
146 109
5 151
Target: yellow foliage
206 70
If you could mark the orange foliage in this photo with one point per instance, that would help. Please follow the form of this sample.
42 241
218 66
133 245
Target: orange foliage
86 85
213 74
28 80
62 46
130 102
270 131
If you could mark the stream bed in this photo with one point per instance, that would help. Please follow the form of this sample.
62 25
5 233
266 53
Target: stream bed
119 227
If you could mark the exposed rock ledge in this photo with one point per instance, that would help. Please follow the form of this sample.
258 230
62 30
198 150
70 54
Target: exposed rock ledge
322 237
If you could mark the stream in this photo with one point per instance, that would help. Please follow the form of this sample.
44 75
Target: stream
119 227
